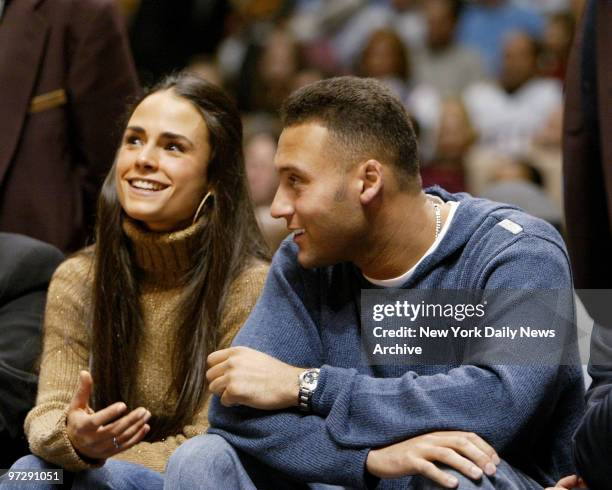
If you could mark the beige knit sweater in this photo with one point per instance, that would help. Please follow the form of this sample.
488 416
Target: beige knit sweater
161 258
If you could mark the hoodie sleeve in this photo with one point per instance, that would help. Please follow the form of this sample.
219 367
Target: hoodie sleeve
282 326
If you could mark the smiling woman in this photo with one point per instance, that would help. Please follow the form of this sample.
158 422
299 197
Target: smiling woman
162 162
177 265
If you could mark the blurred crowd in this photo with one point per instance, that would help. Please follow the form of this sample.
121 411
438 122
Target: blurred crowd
482 79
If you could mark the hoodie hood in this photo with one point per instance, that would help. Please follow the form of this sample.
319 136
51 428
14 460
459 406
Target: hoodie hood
480 228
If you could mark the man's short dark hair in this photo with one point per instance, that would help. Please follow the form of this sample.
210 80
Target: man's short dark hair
364 117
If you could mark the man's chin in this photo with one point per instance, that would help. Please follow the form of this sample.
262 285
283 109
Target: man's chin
309 262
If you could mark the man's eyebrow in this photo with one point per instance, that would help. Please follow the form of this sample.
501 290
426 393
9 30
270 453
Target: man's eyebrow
288 168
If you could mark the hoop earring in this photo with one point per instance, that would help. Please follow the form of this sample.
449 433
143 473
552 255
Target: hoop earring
197 213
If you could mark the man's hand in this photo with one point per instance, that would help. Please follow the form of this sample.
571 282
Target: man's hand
96 435
568 483
243 376
463 451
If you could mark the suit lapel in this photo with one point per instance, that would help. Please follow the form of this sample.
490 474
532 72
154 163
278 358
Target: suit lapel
23 34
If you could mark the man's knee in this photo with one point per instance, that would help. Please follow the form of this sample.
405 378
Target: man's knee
422 483
202 451
506 478
205 458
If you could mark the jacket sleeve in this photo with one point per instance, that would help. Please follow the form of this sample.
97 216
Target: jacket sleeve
496 401
282 326
592 448
593 439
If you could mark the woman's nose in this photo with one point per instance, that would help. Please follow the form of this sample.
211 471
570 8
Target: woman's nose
147 158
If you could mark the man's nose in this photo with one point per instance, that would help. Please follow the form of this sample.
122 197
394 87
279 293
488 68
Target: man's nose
281 207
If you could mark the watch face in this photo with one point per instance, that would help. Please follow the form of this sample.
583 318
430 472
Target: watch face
311 377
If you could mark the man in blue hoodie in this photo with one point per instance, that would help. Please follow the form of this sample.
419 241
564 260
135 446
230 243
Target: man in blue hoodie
296 402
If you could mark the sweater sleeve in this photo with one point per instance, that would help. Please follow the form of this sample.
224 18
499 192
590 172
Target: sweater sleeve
282 326
65 354
242 296
498 402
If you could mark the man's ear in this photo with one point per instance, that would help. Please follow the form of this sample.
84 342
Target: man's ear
371 175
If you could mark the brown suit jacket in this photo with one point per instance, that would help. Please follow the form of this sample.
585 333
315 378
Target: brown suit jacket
587 164
587 152
65 73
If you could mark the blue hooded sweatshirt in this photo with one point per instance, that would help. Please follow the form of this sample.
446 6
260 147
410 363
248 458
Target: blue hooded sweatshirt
310 318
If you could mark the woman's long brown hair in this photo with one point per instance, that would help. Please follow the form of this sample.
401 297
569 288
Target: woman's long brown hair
227 244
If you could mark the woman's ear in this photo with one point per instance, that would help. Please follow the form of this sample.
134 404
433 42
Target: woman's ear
371 176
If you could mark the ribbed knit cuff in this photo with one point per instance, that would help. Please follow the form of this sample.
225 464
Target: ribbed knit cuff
50 441
331 382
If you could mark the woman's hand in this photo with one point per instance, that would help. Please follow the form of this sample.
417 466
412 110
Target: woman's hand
464 451
101 434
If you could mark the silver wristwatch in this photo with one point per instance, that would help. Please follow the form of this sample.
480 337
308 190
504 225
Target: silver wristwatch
307 382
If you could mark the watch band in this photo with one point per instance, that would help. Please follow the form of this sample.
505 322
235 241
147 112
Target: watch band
304 400
307 382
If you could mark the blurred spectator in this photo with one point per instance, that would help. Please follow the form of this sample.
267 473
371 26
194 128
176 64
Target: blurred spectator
457 160
549 135
556 45
306 77
455 138
262 177
485 23
386 58
545 154
205 67
65 74
346 25
26 266
261 136
544 6
513 170
519 182
165 34
509 113
246 29
268 71
443 64
526 195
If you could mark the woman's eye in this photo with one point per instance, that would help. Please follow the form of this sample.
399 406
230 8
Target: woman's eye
174 147
132 140
294 180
